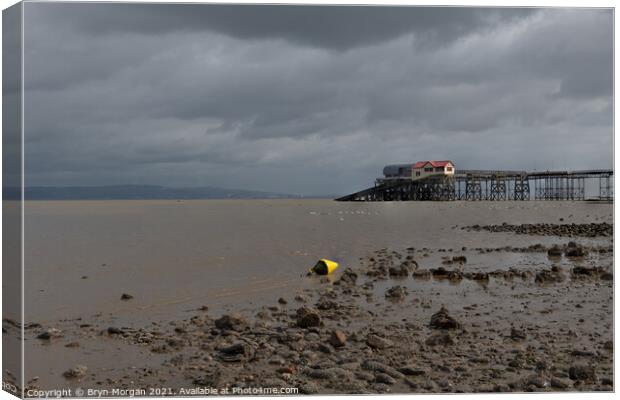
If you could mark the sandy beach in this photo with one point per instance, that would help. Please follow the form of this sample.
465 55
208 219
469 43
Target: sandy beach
192 297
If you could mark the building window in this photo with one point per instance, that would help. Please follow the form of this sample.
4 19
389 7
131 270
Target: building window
417 173
428 169
438 169
449 169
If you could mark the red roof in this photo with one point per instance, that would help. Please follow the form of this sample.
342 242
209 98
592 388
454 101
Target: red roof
420 164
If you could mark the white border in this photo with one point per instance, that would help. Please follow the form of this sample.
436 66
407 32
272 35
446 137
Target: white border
481 3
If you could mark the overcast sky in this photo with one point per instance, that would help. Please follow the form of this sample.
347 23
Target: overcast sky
309 100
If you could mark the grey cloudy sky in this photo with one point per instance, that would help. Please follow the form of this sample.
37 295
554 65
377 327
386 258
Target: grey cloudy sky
309 100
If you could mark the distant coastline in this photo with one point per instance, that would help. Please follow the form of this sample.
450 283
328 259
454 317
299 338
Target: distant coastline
139 192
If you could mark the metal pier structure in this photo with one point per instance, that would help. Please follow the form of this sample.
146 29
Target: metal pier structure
472 185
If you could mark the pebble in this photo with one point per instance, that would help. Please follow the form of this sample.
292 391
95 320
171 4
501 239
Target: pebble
517 334
232 322
338 338
582 372
76 372
440 338
555 251
308 317
411 371
49 334
536 381
317 373
442 320
559 383
412 384
376 366
308 388
236 352
377 342
112 330
382 377
364 376
301 298
396 293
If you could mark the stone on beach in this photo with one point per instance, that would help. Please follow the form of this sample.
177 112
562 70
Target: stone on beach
440 339
442 320
49 334
421 273
308 317
236 352
301 298
231 322
382 377
442 273
549 276
396 293
579 372
459 259
574 250
517 334
377 342
399 272
555 251
112 330
585 271
76 372
411 371
558 383
348 277
337 338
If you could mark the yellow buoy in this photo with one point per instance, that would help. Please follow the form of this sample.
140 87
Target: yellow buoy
324 267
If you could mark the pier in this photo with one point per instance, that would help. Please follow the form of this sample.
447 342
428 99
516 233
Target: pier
494 185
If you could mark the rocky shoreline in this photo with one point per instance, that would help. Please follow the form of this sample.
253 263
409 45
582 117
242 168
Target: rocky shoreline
571 230
389 325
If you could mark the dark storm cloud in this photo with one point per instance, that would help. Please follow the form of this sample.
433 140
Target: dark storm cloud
309 99
335 27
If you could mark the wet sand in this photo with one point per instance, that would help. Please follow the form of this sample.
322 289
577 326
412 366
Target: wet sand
525 320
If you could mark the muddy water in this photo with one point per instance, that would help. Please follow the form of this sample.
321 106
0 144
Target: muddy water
81 256
175 257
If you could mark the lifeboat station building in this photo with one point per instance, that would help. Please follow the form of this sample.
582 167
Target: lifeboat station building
419 170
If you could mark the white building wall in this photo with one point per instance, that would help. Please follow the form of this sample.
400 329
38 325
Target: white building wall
428 170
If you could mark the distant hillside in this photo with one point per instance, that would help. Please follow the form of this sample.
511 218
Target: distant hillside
136 192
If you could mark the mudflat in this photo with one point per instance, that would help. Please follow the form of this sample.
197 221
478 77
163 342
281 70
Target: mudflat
192 297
